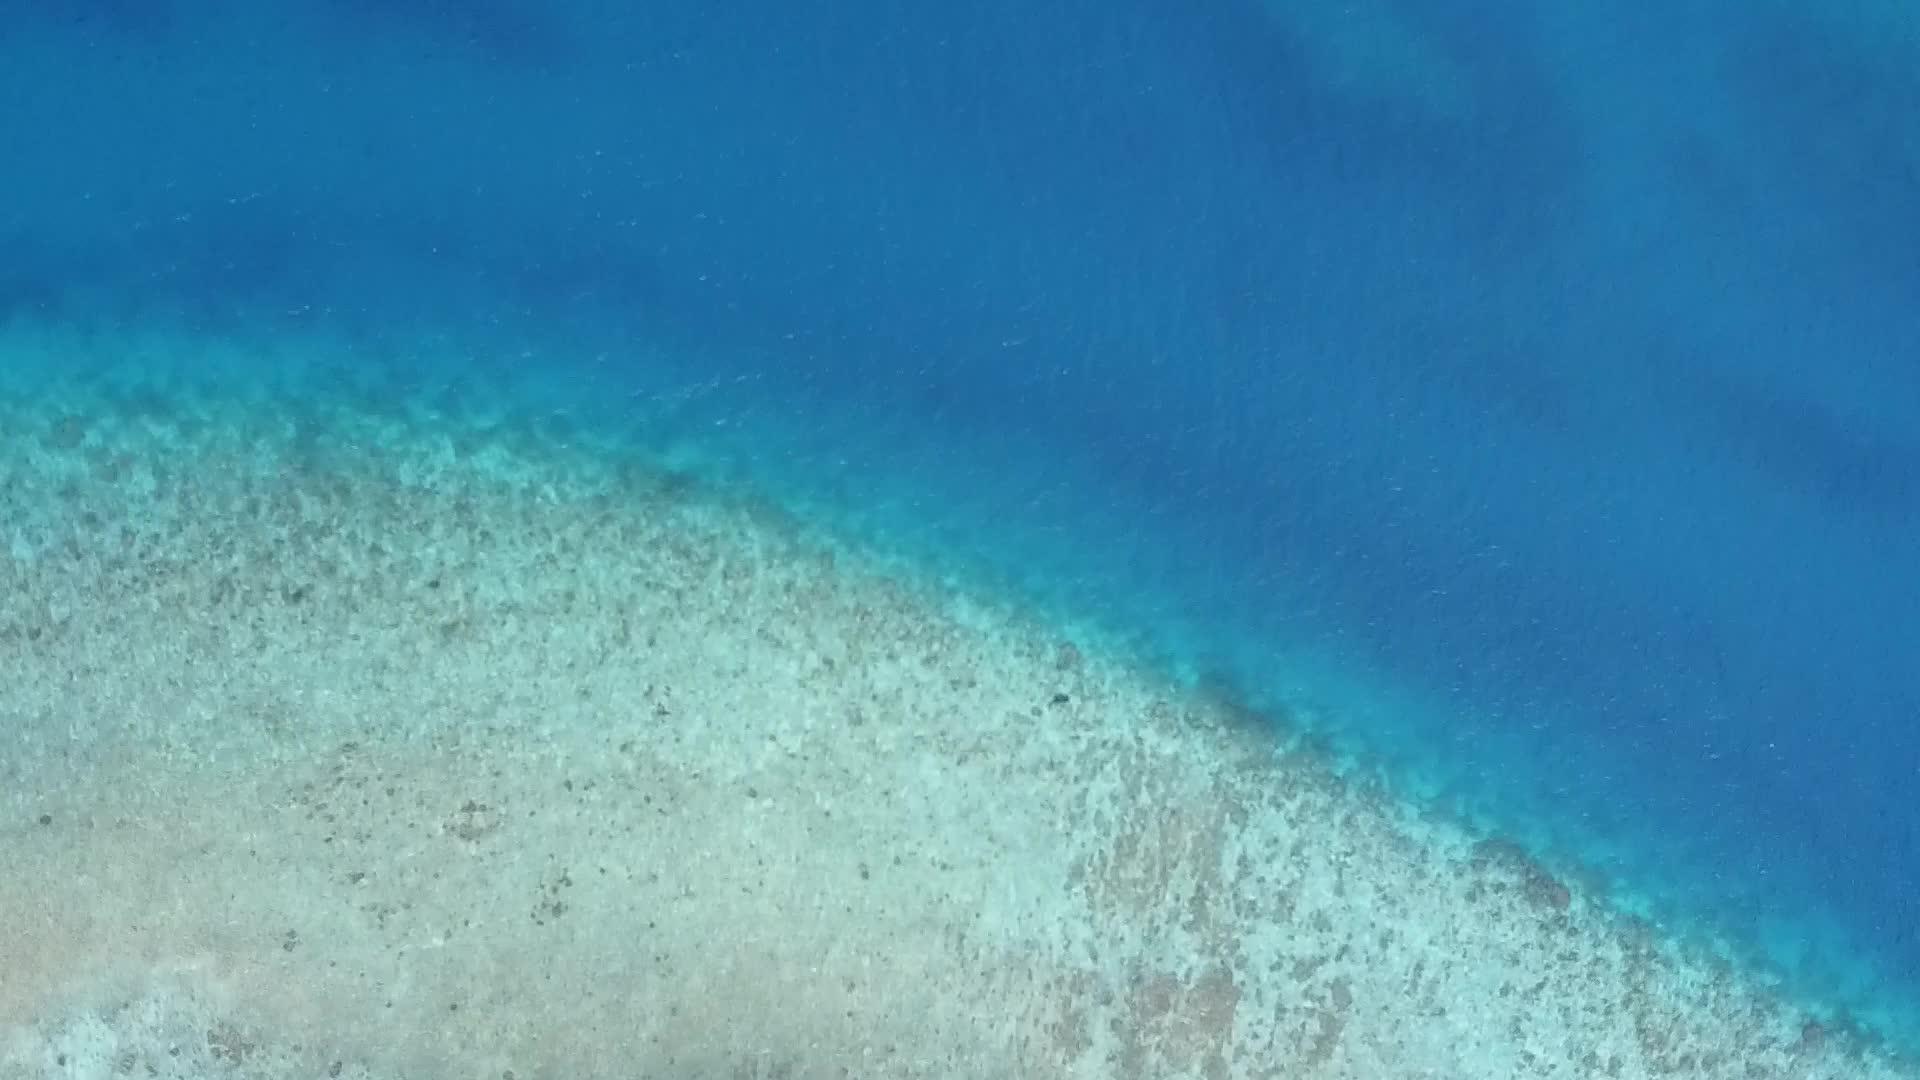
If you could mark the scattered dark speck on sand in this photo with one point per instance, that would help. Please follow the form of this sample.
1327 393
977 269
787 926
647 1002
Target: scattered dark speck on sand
1061 699
70 432
46 819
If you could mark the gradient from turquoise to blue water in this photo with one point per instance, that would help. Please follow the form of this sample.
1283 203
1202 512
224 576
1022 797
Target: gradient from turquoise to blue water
1560 369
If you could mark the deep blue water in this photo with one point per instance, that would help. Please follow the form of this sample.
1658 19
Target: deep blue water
1559 371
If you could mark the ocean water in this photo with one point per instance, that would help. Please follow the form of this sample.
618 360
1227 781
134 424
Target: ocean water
1524 405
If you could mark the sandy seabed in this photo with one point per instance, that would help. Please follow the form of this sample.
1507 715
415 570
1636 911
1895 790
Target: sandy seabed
357 742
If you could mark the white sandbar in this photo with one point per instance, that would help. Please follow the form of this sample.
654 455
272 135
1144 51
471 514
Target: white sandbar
373 745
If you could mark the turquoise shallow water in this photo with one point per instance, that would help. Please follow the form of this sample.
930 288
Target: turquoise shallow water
1534 425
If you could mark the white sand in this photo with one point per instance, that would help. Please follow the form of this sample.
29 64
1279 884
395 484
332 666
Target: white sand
392 748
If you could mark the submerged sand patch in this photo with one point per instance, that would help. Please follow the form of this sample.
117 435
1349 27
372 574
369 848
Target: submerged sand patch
365 744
